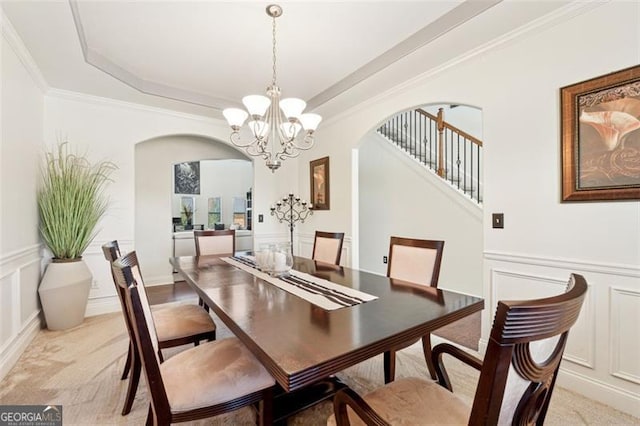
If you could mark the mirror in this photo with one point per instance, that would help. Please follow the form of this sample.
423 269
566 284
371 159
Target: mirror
211 194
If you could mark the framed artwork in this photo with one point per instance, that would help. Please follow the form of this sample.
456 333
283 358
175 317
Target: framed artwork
600 126
186 178
319 176
187 209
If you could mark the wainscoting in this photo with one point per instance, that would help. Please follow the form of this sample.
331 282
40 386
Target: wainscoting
601 358
20 314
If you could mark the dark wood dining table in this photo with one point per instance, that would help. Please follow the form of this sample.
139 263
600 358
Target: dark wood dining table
301 344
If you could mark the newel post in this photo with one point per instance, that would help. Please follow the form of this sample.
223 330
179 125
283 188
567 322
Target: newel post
441 142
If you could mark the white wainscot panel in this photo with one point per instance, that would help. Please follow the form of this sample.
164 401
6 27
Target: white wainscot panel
625 334
513 285
6 320
29 281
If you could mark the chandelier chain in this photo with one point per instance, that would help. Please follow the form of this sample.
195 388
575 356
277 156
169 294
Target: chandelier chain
273 82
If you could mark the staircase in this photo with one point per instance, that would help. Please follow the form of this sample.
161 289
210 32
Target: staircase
449 152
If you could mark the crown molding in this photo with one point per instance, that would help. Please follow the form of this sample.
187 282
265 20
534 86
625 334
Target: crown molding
17 45
571 10
102 101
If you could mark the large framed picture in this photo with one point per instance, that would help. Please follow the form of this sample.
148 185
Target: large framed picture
600 126
319 177
186 178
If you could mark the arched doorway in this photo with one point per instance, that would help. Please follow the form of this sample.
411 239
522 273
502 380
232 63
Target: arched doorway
154 186
397 195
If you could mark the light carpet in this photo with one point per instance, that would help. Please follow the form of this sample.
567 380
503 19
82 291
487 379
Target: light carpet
80 369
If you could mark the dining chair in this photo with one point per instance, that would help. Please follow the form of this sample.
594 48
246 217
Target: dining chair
176 325
516 381
214 242
205 381
327 247
418 262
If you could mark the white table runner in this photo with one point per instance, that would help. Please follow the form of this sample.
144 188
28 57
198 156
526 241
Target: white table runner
320 292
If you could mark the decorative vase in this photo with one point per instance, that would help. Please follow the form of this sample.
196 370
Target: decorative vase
64 293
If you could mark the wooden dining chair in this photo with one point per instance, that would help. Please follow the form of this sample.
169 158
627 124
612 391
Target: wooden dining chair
418 262
214 242
516 380
205 381
327 247
177 325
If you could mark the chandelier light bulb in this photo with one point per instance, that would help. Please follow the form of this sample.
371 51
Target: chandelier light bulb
257 105
235 116
310 121
260 129
290 130
292 107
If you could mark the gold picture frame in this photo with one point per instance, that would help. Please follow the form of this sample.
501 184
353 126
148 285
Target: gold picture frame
319 178
600 128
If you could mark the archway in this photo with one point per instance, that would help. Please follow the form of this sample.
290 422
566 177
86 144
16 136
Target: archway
153 201
399 196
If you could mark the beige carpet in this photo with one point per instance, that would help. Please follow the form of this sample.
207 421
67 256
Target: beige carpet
80 369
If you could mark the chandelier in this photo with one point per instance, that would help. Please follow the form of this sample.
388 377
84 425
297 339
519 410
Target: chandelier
280 129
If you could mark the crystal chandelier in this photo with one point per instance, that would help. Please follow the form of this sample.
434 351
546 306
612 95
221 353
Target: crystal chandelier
280 129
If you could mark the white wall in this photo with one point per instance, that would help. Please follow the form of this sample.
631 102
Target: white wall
516 82
111 129
154 160
227 179
21 122
399 197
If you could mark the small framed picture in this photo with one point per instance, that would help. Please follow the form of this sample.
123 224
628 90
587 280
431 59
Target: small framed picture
319 177
186 178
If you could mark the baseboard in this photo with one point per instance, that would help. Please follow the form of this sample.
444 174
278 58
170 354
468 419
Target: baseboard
102 305
602 392
14 348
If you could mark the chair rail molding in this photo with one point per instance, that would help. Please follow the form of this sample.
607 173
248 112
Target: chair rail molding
554 262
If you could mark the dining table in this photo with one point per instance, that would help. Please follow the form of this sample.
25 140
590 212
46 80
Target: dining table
302 344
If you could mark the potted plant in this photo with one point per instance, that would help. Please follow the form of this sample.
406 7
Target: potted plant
70 204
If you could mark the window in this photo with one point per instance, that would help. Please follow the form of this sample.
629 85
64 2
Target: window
214 212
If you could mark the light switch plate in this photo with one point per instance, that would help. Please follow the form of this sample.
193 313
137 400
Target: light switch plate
260 218
497 220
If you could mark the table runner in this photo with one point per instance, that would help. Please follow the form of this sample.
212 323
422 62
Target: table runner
320 292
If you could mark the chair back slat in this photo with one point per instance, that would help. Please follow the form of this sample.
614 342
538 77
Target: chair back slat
414 260
327 247
215 242
127 271
127 274
523 357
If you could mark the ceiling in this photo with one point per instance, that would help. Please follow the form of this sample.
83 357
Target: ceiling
203 56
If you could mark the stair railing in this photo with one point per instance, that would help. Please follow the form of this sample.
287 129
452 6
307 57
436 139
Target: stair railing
451 153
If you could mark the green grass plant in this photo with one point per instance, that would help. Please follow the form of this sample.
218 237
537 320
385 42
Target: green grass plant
71 200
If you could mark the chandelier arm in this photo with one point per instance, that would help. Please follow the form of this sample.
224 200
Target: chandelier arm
235 139
308 139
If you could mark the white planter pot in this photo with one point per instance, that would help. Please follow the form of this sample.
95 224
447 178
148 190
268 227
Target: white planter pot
64 292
